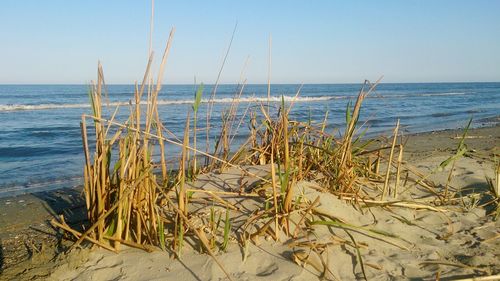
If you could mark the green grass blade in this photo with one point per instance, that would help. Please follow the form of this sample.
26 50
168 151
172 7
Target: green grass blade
227 229
358 253
161 234
348 114
197 97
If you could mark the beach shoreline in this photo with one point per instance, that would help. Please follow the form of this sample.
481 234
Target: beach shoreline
47 155
274 147
25 218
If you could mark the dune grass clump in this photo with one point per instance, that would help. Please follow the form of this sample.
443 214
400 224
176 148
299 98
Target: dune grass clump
134 198
120 183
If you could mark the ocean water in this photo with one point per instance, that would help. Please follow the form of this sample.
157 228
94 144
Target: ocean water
40 141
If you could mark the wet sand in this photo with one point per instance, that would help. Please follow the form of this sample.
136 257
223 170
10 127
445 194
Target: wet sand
29 244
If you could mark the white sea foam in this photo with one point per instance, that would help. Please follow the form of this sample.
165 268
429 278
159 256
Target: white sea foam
18 107
251 99
444 94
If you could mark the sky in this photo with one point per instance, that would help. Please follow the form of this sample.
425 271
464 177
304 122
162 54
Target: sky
60 42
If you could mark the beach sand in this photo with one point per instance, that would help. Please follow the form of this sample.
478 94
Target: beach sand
452 241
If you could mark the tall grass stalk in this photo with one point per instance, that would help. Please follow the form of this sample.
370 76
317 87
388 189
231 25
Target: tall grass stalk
196 106
214 91
389 164
133 198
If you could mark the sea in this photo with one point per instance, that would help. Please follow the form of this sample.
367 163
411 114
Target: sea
40 136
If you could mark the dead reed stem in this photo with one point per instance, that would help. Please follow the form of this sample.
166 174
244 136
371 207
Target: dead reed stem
388 172
275 193
214 91
269 73
398 170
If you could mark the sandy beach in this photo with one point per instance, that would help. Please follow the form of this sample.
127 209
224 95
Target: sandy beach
450 241
238 140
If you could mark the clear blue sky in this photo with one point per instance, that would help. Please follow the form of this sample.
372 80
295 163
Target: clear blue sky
313 41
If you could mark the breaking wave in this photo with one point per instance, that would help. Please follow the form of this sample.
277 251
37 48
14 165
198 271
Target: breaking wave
251 99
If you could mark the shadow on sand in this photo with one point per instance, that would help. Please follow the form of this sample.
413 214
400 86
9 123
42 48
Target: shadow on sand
1 256
68 202
485 198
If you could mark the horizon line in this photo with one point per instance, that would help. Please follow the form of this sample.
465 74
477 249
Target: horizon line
220 84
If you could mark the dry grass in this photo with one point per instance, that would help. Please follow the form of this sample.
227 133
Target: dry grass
134 198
